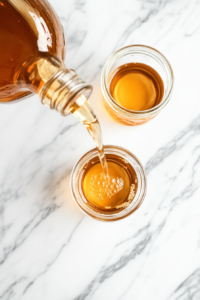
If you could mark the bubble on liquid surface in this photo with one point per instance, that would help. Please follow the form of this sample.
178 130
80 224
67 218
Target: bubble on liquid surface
105 187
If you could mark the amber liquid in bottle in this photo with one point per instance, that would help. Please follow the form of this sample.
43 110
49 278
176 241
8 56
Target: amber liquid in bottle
28 29
136 86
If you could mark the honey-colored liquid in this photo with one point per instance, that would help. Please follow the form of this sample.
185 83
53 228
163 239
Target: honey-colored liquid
86 116
136 86
114 192
28 29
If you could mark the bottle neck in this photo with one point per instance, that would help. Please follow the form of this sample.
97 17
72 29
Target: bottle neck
58 87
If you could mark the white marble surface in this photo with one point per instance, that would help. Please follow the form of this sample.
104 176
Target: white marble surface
49 249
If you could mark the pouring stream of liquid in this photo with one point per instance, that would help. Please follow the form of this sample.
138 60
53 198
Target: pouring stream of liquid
86 116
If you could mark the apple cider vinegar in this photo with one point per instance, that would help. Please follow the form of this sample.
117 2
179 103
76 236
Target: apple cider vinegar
113 192
137 87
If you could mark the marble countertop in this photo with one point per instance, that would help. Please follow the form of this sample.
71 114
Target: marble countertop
49 249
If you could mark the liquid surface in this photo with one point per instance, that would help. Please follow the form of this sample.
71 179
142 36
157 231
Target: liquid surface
137 86
113 192
27 29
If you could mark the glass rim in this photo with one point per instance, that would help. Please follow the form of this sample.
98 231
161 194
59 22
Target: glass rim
137 49
80 199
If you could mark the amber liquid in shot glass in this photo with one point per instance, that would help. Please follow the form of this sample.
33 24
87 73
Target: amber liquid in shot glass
113 192
137 87
137 82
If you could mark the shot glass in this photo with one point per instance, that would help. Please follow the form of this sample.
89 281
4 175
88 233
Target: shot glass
100 214
136 54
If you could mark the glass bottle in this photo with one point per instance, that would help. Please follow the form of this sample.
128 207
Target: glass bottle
32 52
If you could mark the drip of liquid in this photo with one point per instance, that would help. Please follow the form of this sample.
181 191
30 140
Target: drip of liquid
136 86
85 115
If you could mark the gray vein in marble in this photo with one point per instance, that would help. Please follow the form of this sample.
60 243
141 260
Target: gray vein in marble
139 21
9 291
175 145
27 230
189 289
157 6
12 195
105 273
54 259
